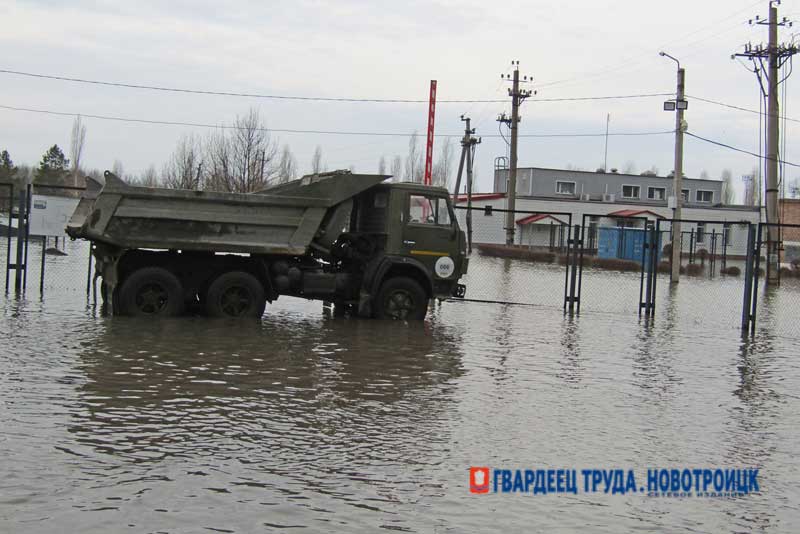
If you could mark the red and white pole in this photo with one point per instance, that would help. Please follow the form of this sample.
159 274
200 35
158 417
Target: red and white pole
431 121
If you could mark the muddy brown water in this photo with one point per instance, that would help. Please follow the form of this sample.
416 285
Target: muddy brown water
306 422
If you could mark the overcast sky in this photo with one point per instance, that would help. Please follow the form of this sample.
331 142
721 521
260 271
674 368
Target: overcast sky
376 49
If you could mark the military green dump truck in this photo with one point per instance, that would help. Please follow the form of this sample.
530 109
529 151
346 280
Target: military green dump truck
376 249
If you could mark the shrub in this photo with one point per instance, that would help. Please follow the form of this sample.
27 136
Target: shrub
664 267
702 254
731 271
695 269
795 263
667 250
587 260
519 253
615 264
789 273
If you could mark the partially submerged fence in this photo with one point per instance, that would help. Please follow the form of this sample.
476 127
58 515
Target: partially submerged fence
593 264
623 266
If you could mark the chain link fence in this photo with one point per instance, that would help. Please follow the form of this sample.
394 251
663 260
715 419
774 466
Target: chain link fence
532 271
611 258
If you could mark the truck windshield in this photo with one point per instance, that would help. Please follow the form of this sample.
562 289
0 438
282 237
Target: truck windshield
423 209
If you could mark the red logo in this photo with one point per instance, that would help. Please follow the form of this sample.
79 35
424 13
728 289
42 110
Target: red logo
479 480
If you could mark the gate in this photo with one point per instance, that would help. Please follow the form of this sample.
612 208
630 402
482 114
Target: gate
534 271
615 263
36 245
778 302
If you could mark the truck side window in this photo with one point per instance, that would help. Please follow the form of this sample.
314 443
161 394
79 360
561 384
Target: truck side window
428 210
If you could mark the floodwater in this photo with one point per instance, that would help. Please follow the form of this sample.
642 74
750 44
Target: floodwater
305 422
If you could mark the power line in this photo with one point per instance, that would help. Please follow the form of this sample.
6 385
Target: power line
304 98
718 143
296 131
739 108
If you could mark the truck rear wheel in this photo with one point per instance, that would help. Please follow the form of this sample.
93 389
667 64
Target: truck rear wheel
151 291
401 298
235 294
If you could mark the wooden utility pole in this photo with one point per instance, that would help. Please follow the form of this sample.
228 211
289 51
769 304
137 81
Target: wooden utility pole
774 55
517 97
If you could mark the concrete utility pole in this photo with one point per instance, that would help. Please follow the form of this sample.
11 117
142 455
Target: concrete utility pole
517 97
775 56
468 144
679 106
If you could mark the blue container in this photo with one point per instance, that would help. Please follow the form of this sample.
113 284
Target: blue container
624 244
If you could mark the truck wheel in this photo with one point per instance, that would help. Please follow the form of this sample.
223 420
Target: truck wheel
401 298
235 294
151 291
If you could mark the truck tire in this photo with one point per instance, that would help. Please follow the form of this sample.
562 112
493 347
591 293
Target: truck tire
235 294
401 298
151 291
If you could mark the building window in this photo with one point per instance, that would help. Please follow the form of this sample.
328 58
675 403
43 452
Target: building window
726 234
630 191
685 195
428 210
704 196
565 188
700 234
656 193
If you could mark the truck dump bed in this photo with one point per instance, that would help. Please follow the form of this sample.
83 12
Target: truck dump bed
279 220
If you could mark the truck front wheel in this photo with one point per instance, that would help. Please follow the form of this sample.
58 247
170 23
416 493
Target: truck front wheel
401 298
235 294
151 291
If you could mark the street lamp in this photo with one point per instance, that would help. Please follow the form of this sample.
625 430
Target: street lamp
679 106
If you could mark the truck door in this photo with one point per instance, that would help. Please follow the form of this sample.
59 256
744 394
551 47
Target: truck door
429 234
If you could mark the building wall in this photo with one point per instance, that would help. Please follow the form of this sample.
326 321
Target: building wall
790 214
542 183
490 229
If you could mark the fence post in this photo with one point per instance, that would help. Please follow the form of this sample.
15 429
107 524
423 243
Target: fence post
89 273
9 233
41 272
756 276
573 275
654 266
748 281
20 241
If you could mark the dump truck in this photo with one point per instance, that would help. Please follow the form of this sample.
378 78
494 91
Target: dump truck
371 247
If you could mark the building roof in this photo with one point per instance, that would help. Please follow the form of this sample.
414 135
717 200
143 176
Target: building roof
538 217
635 213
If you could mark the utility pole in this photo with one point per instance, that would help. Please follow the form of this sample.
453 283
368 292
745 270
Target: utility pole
605 158
468 144
517 97
679 106
775 55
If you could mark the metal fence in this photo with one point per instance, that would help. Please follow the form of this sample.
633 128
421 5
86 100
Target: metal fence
575 265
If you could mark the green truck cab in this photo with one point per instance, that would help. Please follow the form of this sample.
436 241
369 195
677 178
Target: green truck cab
375 248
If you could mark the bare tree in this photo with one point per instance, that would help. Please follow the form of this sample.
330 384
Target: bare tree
397 168
414 165
150 177
443 168
382 165
184 168
316 161
77 142
287 165
117 168
728 192
243 160
630 167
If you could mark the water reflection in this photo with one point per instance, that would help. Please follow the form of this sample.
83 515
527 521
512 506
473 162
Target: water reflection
261 391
